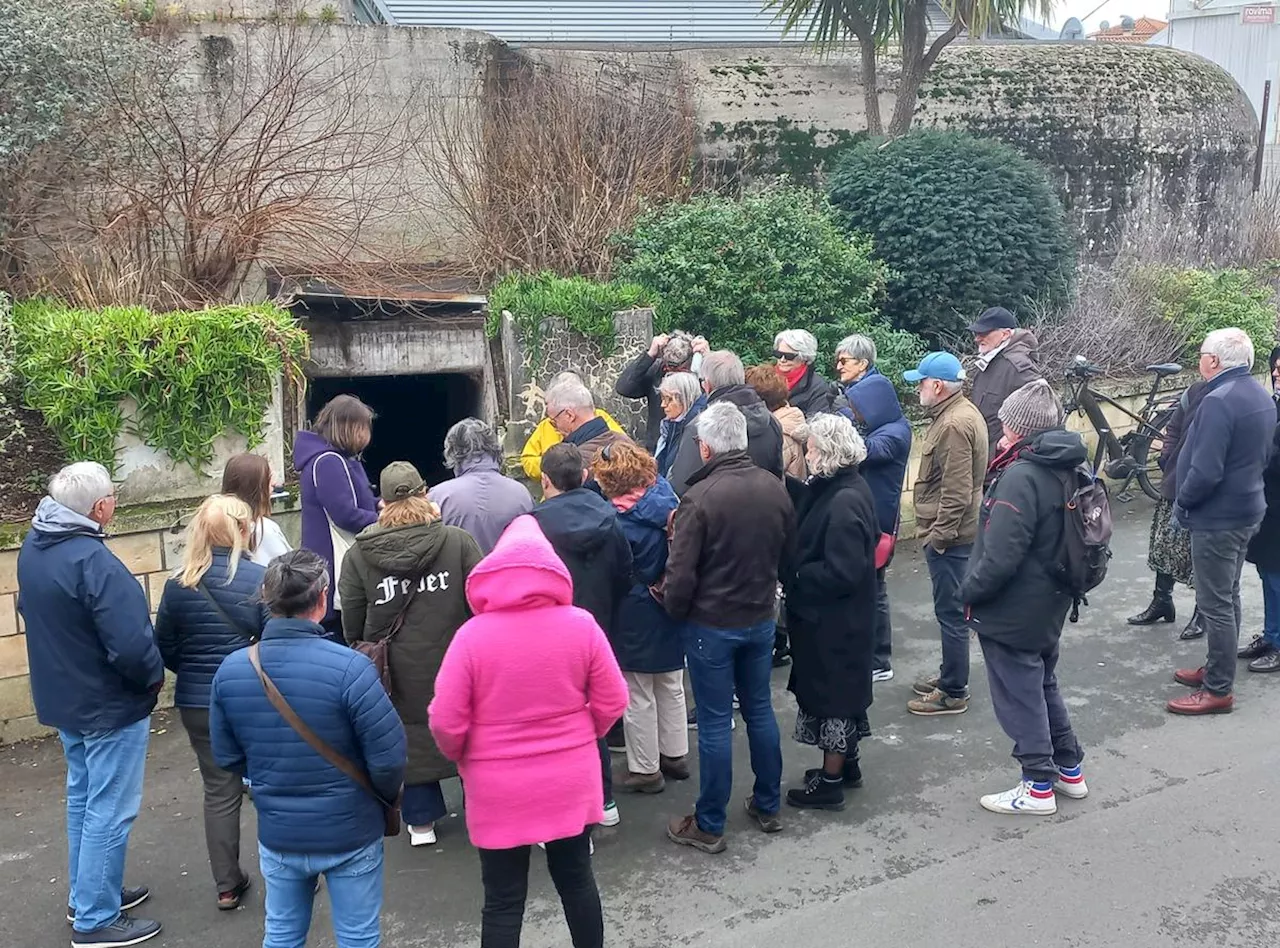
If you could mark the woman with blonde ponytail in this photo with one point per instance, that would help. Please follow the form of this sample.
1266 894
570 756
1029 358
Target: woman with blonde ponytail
211 608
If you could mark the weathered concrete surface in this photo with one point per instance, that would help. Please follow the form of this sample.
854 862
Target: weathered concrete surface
1175 847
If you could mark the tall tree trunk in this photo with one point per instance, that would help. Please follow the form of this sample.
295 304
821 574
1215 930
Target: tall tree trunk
870 84
916 61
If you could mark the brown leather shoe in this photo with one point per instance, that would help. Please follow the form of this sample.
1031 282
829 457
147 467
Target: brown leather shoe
1191 677
677 768
1202 702
230 901
684 831
644 783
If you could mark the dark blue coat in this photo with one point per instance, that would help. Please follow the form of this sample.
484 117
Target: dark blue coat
647 638
1228 445
194 638
878 415
582 528
305 804
93 656
672 434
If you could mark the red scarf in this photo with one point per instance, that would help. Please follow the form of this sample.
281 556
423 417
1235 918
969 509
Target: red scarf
793 377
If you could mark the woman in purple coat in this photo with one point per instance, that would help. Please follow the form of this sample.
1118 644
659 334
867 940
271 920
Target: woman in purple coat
337 501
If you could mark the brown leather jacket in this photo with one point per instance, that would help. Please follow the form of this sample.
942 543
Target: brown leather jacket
948 488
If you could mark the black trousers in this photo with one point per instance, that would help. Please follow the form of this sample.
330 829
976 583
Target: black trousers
505 873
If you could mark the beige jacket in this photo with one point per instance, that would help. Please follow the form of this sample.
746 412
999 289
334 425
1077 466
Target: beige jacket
794 436
953 461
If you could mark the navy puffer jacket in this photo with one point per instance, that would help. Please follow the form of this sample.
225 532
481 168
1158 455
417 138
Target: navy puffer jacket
646 639
304 803
194 638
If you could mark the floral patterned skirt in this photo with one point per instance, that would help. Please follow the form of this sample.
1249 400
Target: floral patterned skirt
1169 548
831 735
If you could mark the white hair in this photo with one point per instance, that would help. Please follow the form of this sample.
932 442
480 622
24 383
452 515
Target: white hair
836 443
79 486
683 385
570 395
950 387
858 346
723 428
561 377
1232 346
722 368
801 340
470 439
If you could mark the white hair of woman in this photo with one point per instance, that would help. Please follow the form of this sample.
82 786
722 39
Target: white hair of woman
800 340
722 428
833 444
1232 347
80 486
858 347
684 386
470 439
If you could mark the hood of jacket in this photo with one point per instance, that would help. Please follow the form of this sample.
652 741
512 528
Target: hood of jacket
654 506
579 519
874 400
308 446
56 522
522 572
790 418
1056 448
401 551
745 397
1023 343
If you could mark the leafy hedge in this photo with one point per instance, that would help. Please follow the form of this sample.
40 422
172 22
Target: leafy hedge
9 424
587 306
739 271
1200 301
964 223
192 375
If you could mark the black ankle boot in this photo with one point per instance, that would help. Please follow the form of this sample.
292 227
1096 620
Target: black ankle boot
1194 629
820 792
852 775
1161 608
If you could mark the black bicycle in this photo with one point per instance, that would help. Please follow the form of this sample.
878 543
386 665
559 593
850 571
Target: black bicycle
1133 455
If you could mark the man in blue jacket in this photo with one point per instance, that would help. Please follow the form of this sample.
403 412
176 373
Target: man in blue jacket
95 674
312 818
1221 501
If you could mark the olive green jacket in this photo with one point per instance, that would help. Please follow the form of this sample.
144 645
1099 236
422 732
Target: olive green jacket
953 461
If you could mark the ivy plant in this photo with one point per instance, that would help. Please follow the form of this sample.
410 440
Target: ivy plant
587 306
178 380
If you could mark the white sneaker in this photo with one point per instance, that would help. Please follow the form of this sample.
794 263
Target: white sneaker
1072 787
422 835
611 815
882 674
1021 799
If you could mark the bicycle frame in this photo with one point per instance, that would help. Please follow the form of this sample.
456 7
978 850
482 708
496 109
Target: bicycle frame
1089 403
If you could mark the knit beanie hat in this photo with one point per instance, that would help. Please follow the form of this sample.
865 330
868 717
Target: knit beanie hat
1032 409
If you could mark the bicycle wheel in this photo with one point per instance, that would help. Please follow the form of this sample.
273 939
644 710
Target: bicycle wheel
1148 470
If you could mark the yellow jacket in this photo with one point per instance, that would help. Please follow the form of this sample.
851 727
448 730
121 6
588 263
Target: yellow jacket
544 436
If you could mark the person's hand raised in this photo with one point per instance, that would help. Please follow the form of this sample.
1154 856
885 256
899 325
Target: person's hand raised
659 342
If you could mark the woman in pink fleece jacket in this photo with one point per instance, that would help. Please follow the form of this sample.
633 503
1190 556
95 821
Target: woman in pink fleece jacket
527 688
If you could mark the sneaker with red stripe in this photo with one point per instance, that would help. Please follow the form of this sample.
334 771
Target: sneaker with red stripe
1070 783
1027 798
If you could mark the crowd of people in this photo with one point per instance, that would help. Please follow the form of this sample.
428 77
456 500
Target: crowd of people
466 630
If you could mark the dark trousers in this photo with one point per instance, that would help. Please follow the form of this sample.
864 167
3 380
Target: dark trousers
1217 559
1030 709
606 771
946 570
423 804
505 873
223 793
883 654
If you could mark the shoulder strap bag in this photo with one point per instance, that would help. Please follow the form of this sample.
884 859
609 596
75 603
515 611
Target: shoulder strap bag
378 651
342 540
231 623
390 810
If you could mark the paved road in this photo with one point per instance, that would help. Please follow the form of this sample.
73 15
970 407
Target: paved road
1176 846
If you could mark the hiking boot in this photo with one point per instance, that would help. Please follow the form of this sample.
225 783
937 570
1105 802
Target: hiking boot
123 932
1201 702
644 783
1256 649
1194 628
1027 798
677 768
230 901
1160 610
1266 663
684 831
926 685
129 898
937 702
852 774
768 823
820 792
1191 677
1070 783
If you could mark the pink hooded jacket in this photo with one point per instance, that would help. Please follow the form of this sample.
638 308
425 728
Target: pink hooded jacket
527 688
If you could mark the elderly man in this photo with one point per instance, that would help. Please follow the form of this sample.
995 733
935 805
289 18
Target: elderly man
677 351
95 674
1221 502
1007 360
724 380
479 498
947 494
732 530
571 409
794 351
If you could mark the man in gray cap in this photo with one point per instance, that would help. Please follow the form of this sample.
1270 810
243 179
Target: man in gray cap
1015 605
1008 358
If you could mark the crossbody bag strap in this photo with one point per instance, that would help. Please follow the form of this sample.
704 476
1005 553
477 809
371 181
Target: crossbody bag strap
231 623
311 737
398 622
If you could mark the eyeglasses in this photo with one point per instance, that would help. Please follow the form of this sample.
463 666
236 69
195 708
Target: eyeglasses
785 356
844 360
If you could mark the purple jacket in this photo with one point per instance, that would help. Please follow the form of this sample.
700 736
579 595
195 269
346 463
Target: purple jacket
482 501
332 484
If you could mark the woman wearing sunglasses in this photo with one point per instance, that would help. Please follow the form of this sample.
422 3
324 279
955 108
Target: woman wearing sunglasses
794 351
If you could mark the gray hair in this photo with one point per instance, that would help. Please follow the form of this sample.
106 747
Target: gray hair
683 385
81 485
836 443
950 387
470 439
858 346
1232 346
294 583
723 428
565 376
722 368
570 395
801 340
679 348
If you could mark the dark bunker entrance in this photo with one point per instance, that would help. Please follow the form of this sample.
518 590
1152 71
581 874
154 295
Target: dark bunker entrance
413 414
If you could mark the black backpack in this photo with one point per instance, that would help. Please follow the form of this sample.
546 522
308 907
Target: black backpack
1086 536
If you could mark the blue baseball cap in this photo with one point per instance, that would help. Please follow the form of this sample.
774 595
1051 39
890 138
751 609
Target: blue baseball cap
936 365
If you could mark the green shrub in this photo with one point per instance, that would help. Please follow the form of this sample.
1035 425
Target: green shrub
739 271
1200 301
964 223
586 305
9 424
192 375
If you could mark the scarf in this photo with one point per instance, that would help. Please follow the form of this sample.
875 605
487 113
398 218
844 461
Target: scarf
794 377
986 359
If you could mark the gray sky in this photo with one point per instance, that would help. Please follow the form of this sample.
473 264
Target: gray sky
1111 10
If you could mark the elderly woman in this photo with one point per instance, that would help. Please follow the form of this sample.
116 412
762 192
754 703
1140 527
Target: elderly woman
480 498
855 361
831 597
682 401
794 351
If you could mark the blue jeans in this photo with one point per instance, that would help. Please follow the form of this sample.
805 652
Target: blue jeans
721 660
946 570
104 791
423 804
1270 607
354 880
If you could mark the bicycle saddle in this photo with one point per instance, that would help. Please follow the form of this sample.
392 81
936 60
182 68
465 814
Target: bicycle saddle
1165 368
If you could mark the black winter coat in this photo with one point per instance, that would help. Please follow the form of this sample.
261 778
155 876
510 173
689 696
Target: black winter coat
1009 594
813 394
1264 548
1175 436
640 379
764 437
192 636
647 638
831 595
